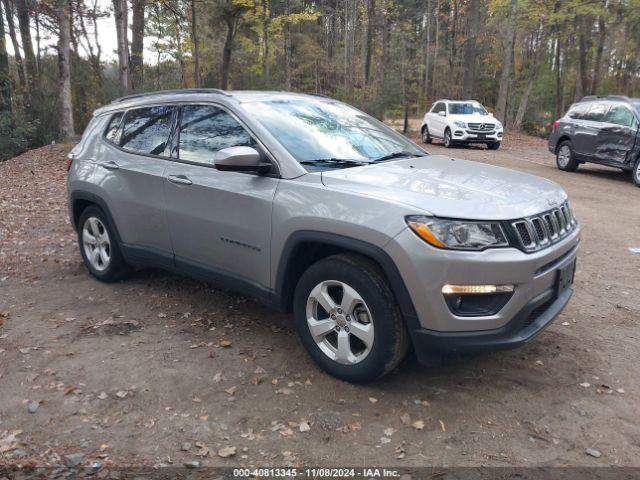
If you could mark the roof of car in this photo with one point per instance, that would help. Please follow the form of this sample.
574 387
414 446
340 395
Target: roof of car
190 94
611 98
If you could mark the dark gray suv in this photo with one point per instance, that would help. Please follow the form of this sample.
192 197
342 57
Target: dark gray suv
600 130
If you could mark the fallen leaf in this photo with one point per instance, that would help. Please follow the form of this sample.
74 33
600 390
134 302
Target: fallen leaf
418 425
218 377
225 343
304 426
585 384
442 426
373 400
352 426
225 452
121 393
389 431
231 390
405 419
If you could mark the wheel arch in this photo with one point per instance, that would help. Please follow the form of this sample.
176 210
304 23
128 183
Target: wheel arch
562 139
304 248
80 200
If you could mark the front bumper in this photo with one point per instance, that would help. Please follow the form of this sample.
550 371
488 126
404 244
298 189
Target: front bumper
426 269
464 135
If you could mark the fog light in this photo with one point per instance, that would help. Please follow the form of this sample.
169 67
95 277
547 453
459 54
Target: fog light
476 289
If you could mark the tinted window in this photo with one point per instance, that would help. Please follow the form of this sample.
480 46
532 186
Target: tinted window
596 112
205 129
620 115
146 130
112 128
439 107
578 111
466 109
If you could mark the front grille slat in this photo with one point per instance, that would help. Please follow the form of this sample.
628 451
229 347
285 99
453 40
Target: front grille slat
537 232
481 127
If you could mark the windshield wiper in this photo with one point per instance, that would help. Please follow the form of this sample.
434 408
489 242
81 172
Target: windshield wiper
333 161
393 155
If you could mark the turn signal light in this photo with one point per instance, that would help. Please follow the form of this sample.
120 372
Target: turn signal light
476 289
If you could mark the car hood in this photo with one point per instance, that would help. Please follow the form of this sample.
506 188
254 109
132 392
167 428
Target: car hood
447 187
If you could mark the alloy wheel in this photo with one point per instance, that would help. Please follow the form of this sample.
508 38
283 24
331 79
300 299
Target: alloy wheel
564 156
96 243
447 138
340 322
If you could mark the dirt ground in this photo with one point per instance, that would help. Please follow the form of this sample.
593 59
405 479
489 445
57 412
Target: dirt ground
163 370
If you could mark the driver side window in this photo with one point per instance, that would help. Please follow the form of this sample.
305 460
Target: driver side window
205 129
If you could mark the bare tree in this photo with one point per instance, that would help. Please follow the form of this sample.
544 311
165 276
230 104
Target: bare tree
30 59
120 12
505 76
137 43
65 109
8 12
196 45
5 80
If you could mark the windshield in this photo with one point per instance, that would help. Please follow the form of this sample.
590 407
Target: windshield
325 135
466 109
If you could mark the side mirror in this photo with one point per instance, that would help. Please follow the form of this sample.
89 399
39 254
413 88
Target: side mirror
240 159
442 114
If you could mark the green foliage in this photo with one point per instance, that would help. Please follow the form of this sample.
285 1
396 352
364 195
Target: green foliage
16 134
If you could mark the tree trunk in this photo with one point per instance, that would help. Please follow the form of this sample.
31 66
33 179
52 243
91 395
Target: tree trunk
533 75
266 14
505 76
597 67
5 76
65 110
470 49
371 13
226 53
583 51
137 43
287 47
30 60
8 12
121 15
454 45
434 83
426 55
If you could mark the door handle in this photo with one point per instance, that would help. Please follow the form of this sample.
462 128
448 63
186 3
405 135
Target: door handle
179 180
109 165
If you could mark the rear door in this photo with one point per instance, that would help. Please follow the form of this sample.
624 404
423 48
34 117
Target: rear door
587 130
220 222
130 172
617 136
437 121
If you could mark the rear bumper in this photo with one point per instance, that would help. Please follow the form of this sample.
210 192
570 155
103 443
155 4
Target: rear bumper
532 319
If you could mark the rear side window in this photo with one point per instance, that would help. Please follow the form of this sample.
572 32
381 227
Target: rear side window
578 111
596 112
113 127
146 130
205 129
620 115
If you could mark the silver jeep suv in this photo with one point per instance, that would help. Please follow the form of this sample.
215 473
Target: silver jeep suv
317 208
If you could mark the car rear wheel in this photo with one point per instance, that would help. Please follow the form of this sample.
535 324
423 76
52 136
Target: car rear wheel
636 173
99 248
348 319
448 142
426 138
565 158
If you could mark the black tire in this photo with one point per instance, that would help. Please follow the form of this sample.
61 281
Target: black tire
426 138
636 173
390 337
493 145
565 157
116 268
448 140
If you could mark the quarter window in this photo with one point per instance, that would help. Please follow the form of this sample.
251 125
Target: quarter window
620 115
578 111
113 127
146 130
205 129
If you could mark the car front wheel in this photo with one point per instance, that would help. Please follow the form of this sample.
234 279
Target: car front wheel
565 158
348 319
493 145
426 138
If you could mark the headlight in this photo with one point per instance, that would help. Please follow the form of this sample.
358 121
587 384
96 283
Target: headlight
458 234
498 125
460 124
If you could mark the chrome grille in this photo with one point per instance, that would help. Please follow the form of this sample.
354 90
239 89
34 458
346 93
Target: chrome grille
481 127
538 231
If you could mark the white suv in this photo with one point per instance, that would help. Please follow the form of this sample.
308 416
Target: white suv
459 122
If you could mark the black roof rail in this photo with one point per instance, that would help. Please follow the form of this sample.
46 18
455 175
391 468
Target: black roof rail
169 92
622 98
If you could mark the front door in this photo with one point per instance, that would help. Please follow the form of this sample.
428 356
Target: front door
220 222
